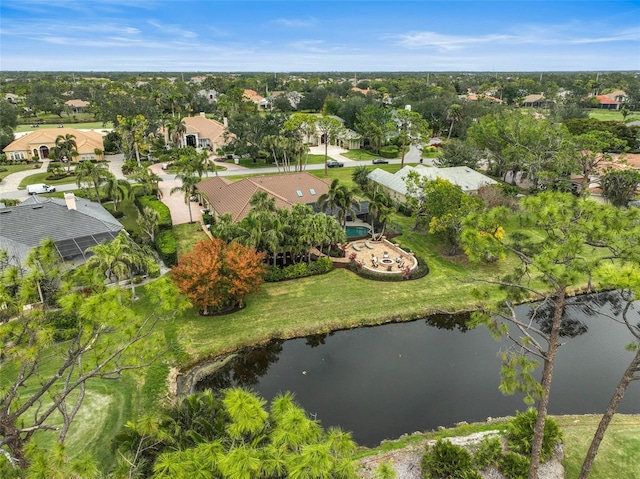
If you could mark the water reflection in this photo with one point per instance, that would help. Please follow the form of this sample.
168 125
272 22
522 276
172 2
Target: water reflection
245 369
381 382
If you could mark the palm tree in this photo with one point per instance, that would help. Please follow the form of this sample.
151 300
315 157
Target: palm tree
116 189
187 187
66 147
359 176
176 132
121 258
93 174
149 181
380 207
339 200
455 113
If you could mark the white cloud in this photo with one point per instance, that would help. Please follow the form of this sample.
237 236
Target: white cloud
294 22
176 30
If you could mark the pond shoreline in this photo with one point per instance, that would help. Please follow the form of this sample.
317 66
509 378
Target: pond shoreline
184 380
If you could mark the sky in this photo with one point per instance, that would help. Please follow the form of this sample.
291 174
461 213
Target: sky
318 36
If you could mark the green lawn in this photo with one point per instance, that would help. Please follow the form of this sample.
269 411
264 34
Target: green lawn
16 168
42 178
610 115
617 458
87 125
619 452
360 155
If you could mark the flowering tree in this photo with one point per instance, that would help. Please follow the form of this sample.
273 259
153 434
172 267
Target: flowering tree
218 275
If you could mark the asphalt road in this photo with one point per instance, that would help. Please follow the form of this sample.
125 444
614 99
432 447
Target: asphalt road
9 186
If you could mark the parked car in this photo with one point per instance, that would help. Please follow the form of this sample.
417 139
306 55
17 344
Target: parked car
40 188
380 161
334 164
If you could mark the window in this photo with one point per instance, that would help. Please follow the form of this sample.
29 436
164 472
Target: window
299 193
312 191
16 155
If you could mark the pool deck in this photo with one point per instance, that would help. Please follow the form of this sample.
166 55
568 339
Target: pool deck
365 250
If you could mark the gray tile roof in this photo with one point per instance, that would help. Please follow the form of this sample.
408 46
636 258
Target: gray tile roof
24 226
466 178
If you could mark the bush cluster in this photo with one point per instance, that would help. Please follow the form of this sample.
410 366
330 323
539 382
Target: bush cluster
298 270
389 152
164 214
447 460
166 247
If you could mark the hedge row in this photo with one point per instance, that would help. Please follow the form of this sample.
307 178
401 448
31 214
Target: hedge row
166 247
298 270
164 214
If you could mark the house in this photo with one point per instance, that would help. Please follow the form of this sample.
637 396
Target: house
76 106
618 95
13 99
39 143
395 183
606 103
223 196
201 132
348 139
210 95
256 98
537 101
73 223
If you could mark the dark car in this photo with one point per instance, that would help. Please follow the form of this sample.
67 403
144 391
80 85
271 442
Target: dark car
334 164
380 161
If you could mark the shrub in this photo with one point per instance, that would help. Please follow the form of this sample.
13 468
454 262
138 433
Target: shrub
298 270
489 452
117 213
514 466
520 434
389 152
65 325
164 214
446 460
166 247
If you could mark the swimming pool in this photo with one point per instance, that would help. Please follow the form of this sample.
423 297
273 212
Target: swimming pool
357 231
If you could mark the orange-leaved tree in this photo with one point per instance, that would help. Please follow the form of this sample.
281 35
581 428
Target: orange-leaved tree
215 275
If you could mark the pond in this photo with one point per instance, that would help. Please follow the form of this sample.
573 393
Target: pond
381 382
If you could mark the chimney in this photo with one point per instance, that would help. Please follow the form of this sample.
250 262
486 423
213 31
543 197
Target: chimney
225 122
70 200
202 114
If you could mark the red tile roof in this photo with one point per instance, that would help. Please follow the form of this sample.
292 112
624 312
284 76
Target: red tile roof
225 196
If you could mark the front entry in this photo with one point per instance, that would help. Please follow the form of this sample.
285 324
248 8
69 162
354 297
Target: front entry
44 152
191 140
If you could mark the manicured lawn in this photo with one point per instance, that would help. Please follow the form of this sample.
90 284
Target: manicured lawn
129 220
610 115
80 126
344 174
16 168
187 235
618 455
360 155
42 178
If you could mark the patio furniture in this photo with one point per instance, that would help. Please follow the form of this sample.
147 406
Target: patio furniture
368 245
356 247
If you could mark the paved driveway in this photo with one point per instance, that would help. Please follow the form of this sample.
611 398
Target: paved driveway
175 202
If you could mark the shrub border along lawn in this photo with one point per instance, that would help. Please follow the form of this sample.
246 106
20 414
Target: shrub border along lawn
617 456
